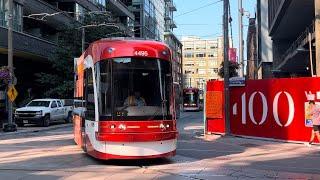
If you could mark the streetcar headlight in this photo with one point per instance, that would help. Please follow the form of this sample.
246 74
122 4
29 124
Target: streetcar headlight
167 125
113 126
162 126
122 127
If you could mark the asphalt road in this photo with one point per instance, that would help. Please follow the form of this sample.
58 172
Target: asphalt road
52 154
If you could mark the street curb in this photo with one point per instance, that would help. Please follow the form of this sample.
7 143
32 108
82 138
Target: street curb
41 129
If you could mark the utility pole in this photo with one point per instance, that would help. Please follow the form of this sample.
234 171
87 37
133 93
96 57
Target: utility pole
10 126
317 33
83 39
240 16
226 65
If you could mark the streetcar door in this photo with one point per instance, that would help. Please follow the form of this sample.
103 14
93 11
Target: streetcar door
89 114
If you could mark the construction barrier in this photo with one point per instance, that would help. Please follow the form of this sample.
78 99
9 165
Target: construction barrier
273 108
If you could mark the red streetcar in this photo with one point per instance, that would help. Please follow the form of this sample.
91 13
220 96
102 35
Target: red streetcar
191 101
128 112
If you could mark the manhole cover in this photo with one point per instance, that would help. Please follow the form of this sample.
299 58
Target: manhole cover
249 145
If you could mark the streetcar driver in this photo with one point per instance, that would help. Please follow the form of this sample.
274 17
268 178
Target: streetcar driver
135 100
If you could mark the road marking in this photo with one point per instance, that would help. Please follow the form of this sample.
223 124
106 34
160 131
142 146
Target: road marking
193 128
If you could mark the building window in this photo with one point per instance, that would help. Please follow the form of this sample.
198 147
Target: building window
80 12
201 71
188 55
2 13
188 48
214 54
202 63
17 15
98 2
201 55
213 63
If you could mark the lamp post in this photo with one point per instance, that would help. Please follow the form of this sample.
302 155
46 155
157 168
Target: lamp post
11 126
226 66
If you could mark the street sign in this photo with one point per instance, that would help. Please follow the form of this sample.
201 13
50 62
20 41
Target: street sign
12 93
237 82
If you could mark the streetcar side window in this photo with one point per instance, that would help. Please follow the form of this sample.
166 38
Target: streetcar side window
104 87
89 95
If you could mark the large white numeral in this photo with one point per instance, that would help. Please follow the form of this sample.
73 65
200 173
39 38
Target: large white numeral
275 109
243 105
265 108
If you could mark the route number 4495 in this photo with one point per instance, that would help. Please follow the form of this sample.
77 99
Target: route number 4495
141 53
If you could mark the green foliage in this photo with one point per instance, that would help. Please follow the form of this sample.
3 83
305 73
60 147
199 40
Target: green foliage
59 83
233 67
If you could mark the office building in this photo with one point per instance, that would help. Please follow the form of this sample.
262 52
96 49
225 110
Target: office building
288 44
201 60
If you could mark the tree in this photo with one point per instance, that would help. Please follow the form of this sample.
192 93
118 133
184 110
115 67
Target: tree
60 82
233 67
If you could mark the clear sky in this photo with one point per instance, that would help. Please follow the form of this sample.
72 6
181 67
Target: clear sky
207 21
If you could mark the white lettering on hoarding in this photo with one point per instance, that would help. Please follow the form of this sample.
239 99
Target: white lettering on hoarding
265 109
275 109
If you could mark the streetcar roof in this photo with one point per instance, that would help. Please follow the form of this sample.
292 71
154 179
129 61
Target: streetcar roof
116 48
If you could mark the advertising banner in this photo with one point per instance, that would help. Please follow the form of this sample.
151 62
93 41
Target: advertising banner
233 54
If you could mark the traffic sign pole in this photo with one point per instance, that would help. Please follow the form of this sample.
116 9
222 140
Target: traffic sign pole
11 126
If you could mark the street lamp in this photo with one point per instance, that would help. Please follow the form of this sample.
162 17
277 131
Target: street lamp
11 126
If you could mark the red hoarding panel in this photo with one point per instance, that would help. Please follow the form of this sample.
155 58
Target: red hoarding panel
215 107
273 108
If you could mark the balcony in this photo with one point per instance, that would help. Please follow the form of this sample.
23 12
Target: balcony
118 8
287 19
167 17
295 57
172 6
58 21
173 24
26 45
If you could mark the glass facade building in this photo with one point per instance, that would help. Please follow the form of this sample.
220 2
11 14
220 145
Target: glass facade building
17 15
149 19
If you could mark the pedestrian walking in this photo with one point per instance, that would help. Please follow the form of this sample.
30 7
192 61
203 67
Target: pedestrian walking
315 113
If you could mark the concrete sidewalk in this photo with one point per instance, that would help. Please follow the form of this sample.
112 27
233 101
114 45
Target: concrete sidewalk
33 129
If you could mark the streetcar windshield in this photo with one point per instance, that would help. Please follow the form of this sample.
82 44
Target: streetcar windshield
134 89
190 97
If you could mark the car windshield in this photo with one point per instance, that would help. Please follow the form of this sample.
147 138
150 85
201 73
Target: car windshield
39 104
134 89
